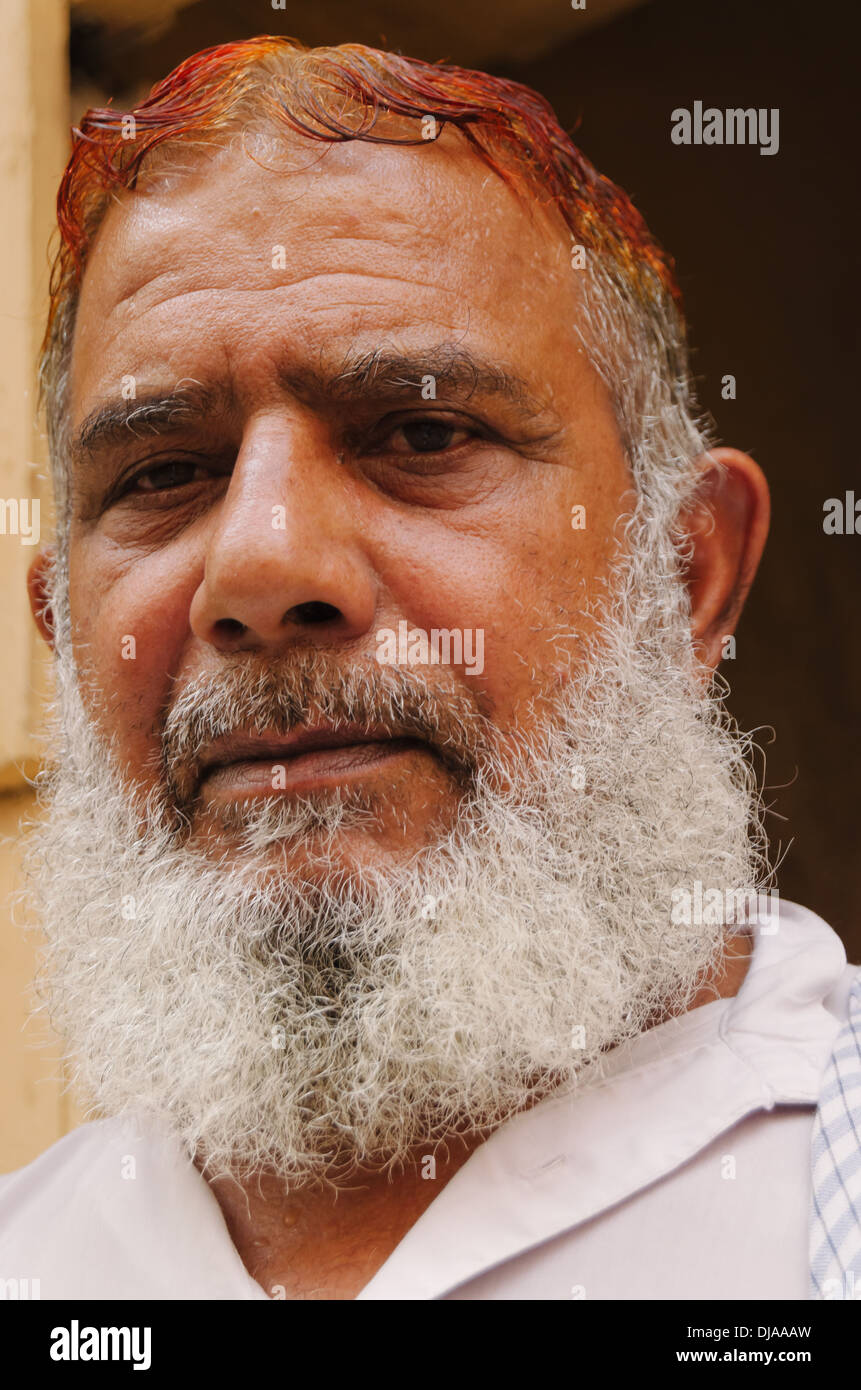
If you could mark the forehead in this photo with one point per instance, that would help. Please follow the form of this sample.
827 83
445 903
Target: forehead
320 248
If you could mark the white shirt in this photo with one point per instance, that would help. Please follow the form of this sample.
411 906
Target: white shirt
682 1173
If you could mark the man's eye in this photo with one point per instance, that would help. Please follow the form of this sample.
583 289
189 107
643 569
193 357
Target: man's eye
427 436
163 477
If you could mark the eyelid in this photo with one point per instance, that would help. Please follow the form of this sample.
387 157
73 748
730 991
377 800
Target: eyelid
443 414
395 420
125 486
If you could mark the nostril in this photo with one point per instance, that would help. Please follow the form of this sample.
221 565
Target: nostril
230 627
313 613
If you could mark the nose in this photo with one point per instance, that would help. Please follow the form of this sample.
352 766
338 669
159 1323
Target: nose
284 561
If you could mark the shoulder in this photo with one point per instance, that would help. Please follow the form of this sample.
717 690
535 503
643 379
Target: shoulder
116 1210
837 1001
50 1202
813 949
68 1159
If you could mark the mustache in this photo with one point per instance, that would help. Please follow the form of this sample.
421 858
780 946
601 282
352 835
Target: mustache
277 696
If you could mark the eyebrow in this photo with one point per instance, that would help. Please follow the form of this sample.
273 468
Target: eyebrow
153 413
454 368
382 372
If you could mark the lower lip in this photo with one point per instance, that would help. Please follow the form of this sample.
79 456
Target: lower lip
315 770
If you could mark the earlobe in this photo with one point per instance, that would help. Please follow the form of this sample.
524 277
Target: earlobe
726 526
39 593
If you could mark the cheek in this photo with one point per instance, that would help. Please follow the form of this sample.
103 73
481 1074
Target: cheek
520 586
558 578
129 627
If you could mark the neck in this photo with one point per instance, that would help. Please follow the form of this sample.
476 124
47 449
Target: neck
727 980
329 1243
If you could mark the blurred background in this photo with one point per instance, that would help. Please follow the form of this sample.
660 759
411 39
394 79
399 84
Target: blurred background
762 247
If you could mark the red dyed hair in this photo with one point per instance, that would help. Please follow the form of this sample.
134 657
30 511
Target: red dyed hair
337 94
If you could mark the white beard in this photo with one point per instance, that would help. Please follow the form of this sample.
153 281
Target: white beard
307 1030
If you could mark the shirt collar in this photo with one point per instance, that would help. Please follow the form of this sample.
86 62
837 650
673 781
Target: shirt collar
656 1102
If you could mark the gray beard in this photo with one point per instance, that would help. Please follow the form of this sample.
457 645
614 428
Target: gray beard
312 1028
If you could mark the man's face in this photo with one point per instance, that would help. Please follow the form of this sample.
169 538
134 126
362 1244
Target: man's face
378 351
296 506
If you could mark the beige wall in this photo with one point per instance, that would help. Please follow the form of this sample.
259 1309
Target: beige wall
33 119
34 1111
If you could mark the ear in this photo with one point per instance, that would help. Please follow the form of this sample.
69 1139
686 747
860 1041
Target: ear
727 525
37 589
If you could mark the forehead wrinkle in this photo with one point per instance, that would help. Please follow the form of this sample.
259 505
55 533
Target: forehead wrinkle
385 226
188 302
392 225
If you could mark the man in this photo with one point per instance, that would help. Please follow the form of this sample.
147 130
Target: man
402 875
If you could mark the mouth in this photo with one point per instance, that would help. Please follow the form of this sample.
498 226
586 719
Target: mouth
243 766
